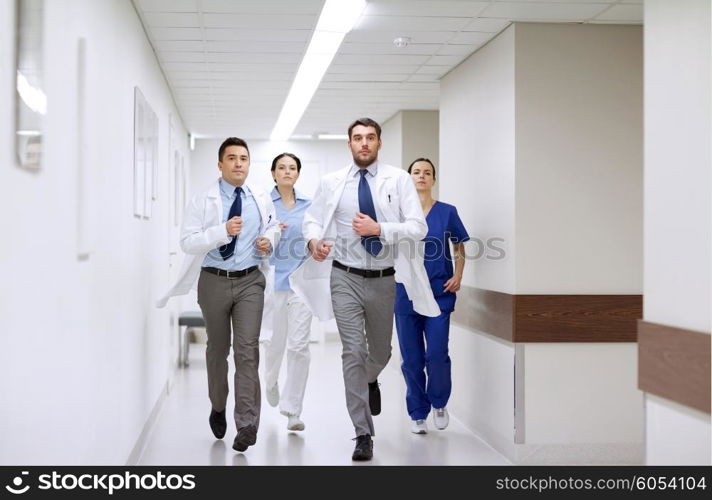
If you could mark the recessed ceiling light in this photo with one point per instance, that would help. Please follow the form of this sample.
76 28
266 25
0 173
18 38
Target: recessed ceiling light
336 19
401 41
333 137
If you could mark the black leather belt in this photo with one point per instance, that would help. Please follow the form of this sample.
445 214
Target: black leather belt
366 273
230 274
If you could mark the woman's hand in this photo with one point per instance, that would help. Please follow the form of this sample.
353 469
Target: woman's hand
453 284
263 245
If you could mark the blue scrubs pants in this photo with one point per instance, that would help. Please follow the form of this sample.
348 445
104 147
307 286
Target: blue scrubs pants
424 347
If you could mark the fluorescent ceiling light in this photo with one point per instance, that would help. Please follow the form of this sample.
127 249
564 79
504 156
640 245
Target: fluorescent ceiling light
35 99
337 18
29 133
340 137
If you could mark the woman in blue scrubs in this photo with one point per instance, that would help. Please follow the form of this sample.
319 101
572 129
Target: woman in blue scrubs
424 340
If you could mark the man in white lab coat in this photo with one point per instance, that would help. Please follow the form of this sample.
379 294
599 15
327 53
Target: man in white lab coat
363 231
227 230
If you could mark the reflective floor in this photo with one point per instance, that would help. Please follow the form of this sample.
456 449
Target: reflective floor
182 436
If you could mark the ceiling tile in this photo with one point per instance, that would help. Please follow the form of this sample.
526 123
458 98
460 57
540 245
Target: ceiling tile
176 33
172 20
263 7
432 70
423 78
236 34
540 11
367 36
408 24
383 77
433 8
172 46
447 60
622 13
455 50
168 5
470 38
376 59
255 46
388 48
260 21
169 57
254 57
373 69
487 25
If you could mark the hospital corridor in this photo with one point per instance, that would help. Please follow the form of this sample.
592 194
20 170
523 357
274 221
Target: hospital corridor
355 233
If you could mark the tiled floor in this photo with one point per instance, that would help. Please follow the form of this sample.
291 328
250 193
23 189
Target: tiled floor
182 435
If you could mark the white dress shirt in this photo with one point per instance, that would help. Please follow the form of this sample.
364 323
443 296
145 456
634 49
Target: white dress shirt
348 248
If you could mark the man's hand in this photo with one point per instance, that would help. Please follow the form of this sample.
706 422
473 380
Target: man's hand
365 226
234 226
263 245
320 249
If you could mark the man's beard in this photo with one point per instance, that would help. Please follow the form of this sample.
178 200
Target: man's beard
365 163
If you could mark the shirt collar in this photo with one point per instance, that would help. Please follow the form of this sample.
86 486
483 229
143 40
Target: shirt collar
372 169
298 195
228 189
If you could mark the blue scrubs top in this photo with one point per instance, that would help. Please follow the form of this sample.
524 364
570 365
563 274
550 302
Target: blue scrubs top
443 224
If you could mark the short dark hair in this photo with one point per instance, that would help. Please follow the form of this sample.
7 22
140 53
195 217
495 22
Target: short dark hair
366 122
425 160
231 141
282 155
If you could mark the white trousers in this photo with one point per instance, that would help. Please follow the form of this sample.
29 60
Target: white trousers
291 328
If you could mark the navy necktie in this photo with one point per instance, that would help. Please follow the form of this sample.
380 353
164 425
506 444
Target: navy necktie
235 211
372 244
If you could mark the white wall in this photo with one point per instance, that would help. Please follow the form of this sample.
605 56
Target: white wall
579 135
677 163
392 139
579 180
477 175
477 154
576 412
675 434
678 230
421 131
541 139
84 354
483 386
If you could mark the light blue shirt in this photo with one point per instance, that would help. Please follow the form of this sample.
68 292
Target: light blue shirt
292 248
246 254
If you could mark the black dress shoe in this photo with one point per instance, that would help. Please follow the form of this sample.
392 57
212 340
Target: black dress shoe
218 423
374 397
246 436
364 448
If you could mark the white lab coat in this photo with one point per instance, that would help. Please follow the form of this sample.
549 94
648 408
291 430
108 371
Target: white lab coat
203 230
404 226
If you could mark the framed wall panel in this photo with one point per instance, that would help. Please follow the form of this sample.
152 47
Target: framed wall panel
30 97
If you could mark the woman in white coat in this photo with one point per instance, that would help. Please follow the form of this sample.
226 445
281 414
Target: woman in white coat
291 317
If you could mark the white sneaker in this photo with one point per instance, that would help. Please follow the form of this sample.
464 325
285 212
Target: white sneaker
273 395
294 423
441 418
418 426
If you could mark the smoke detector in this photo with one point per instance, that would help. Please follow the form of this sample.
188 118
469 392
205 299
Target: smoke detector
401 41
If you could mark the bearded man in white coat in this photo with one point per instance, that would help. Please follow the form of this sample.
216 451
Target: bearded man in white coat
363 231
227 231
